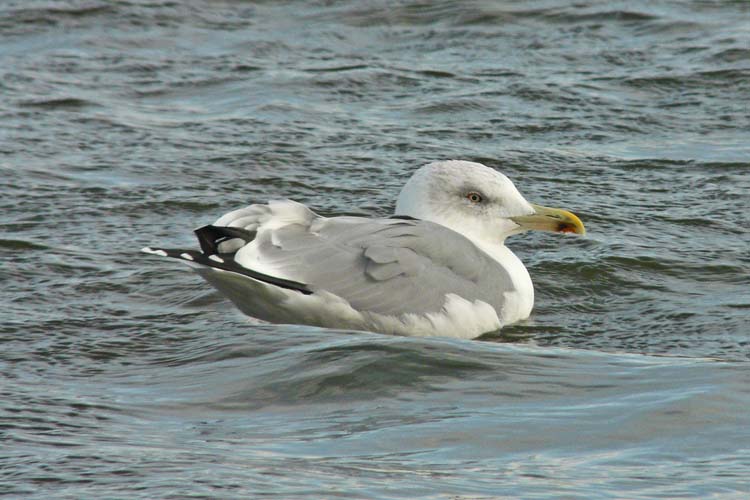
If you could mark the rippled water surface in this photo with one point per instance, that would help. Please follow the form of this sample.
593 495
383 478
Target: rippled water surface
128 123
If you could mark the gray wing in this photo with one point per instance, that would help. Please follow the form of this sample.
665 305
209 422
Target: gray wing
386 266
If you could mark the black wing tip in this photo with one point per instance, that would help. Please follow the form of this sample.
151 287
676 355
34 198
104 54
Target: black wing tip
154 251
174 253
225 262
211 236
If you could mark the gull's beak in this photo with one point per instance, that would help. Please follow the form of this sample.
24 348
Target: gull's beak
550 219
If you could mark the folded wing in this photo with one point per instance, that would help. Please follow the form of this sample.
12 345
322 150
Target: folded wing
386 266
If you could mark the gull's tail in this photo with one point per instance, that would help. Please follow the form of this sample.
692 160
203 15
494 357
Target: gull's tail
211 239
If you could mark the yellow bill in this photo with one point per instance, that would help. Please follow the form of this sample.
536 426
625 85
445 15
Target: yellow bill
551 219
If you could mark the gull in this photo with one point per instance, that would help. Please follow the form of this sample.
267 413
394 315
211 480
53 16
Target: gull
437 267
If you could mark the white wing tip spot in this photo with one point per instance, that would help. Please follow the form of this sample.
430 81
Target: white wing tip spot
160 253
186 256
216 258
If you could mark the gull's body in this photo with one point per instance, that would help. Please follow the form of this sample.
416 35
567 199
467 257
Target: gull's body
438 267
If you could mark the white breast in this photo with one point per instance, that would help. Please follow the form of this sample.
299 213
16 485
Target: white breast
520 301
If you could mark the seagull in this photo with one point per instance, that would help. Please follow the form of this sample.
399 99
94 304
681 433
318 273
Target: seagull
437 267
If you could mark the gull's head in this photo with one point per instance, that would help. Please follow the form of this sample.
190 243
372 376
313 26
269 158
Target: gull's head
478 202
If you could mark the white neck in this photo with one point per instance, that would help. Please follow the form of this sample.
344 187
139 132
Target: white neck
518 302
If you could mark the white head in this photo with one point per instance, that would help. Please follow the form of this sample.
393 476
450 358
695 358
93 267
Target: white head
477 201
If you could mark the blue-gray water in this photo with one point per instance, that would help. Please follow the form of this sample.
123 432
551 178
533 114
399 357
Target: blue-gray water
128 123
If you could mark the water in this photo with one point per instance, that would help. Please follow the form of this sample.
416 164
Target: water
127 124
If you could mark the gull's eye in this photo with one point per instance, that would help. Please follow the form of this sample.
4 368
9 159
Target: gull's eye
474 197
